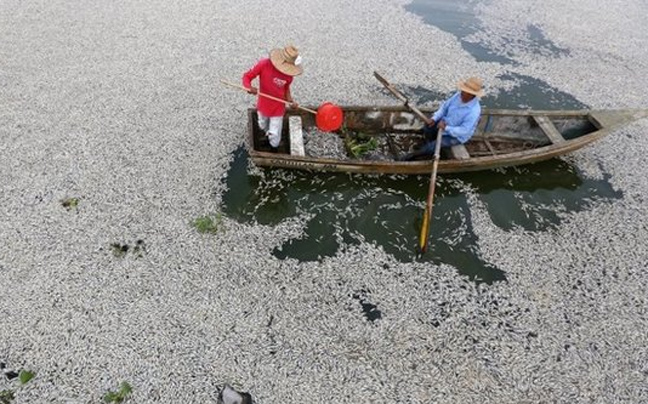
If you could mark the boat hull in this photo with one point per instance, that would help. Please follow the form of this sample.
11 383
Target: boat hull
513 138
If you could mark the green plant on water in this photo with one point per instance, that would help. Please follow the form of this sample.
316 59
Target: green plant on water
208 224
6 396
120 395
70 203
25 376
119 250
139 249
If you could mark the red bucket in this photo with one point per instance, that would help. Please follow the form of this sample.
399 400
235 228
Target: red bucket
329 117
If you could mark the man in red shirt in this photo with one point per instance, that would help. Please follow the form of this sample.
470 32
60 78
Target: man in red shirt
275 76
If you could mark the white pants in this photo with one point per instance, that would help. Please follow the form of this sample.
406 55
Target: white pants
272 126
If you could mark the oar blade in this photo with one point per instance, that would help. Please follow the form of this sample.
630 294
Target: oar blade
425 231
391 88
381 79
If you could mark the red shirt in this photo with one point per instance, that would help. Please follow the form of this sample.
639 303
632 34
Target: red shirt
271 82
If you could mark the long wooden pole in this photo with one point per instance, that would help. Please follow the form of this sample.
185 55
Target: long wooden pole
266 96
401 97
427 215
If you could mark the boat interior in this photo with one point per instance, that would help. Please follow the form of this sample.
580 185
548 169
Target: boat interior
398 131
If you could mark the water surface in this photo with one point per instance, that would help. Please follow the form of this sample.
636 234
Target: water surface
347 209
344 210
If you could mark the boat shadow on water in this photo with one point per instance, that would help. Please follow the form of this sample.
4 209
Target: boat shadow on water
347 209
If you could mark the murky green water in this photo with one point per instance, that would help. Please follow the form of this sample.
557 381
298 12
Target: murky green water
346 209
458 18
343 210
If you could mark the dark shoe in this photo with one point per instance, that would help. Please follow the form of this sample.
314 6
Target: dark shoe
407 157
264 141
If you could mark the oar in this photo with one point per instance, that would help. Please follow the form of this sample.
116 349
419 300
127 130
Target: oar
401 97
328 117
427 215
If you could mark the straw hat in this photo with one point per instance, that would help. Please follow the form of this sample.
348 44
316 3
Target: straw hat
473 86
287 60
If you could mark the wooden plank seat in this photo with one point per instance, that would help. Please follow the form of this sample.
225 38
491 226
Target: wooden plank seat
296 136
549 129
459 152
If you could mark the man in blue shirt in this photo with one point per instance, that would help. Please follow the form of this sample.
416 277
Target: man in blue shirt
457 118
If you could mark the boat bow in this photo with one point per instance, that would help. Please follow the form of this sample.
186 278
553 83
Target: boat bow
614 119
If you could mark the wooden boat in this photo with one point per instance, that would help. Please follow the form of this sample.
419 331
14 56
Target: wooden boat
502 138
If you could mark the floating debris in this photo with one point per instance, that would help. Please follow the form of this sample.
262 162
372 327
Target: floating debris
70 203
230 396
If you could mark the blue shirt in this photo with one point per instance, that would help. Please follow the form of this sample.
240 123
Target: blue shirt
461 118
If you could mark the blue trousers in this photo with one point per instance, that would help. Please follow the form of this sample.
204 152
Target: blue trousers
431 133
